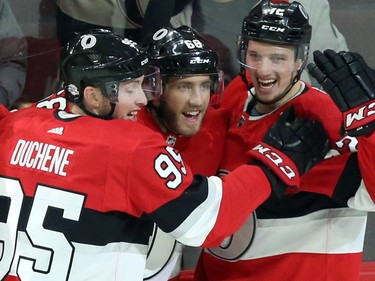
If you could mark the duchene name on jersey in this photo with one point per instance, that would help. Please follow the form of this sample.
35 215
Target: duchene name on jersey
41 156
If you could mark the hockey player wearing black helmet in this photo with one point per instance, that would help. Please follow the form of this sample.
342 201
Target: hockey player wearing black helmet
104 76
191 79
184 115
273 49
312 232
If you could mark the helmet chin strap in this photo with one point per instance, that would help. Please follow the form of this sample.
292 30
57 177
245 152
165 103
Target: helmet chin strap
159 116
76 98
107 116
293 81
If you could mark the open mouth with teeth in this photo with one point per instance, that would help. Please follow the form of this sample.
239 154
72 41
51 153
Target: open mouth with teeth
266 83
191 115
132 115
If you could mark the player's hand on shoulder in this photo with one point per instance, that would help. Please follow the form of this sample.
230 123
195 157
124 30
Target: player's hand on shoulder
350 82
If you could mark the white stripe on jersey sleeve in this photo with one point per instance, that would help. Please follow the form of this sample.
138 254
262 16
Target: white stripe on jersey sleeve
329 231
194 230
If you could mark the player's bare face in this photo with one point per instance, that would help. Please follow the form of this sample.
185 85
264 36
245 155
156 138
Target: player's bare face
272 69
131 99
184 103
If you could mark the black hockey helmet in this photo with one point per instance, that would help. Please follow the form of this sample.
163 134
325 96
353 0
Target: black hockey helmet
280 23
101 58
182 52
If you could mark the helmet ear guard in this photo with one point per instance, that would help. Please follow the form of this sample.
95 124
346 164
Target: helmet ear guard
152 83
218 85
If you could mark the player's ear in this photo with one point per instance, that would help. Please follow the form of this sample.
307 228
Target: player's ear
91 98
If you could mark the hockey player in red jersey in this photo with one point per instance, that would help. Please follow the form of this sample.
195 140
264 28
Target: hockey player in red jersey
185 118
183 113
314 232
80 195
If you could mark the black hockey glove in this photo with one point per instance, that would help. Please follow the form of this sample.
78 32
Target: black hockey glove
289 149
350 82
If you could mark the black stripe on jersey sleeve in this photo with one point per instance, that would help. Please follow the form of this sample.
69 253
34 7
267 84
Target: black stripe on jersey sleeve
94 227
171 215
300 204
304 203
349 181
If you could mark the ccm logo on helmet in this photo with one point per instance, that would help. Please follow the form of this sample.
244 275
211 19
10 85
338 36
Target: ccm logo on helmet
199 61
272 28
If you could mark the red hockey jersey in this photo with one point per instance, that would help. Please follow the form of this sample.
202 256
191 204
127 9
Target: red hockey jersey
235 95
311 233
165 254
55 101
202 153
366 158
80 195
